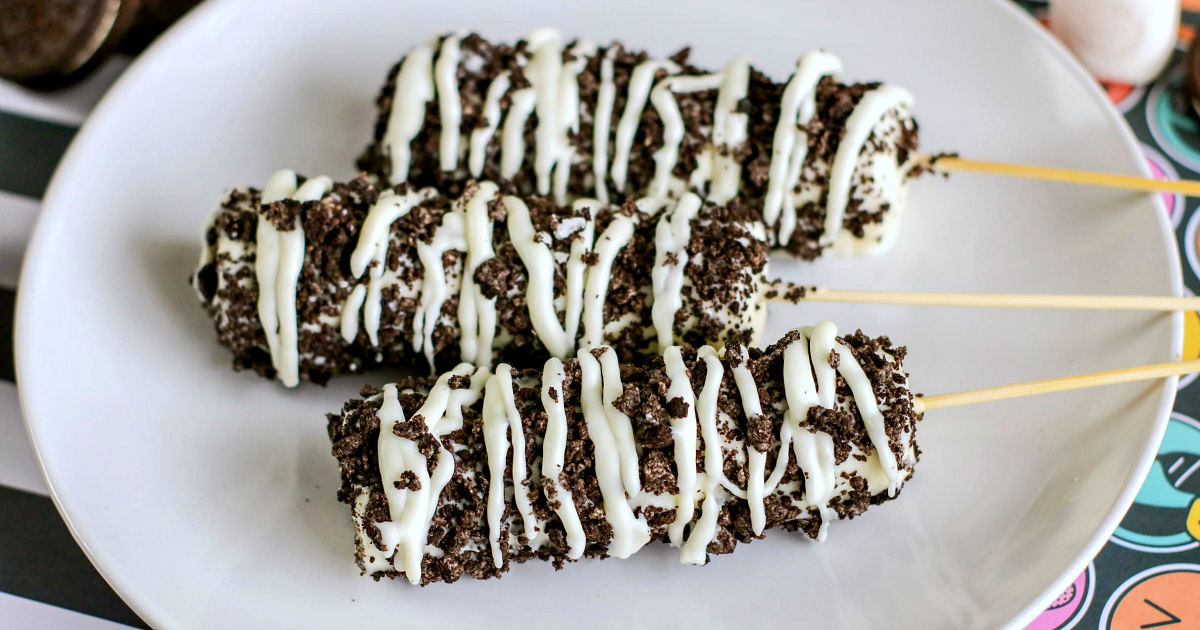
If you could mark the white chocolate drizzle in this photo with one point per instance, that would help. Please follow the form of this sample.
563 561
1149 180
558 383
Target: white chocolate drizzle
814 449
870 110
481 136
278 262
374 559
614 238
567 107
468 227
512 138
291 263
477 313
554 450
640 81
449 101
706 416
435 289
558 337
790 145
601 122
671 237
543 70
618 422
756 461
683 430
350 310
371 250
729 131
414 88
714 483
412 511
501 417
868 408
280 186
630 532
663 99
809 380
577 269
554 96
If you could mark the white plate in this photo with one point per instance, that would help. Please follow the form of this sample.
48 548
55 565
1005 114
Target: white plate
206 497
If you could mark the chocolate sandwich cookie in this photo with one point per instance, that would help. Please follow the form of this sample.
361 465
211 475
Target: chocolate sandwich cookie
46 43
1191 74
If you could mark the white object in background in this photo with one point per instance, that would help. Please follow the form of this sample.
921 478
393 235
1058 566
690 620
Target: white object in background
1118 40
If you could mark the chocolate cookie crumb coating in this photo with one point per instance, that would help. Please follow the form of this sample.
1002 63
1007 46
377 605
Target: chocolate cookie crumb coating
397 276
588 457
825 164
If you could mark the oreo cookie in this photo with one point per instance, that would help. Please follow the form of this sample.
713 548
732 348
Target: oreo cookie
1191 74
45 43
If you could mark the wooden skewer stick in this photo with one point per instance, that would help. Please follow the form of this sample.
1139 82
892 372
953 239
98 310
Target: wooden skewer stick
1145 372
953 164
787 292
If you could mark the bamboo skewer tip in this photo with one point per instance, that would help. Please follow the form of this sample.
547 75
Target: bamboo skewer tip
946 163
1034 388
784 292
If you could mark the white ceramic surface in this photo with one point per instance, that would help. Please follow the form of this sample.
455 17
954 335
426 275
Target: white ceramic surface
207 497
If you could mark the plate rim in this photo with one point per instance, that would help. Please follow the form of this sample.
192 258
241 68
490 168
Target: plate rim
1166 403
51 212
